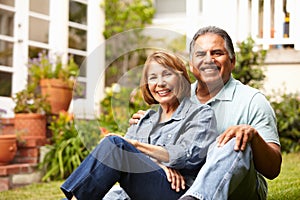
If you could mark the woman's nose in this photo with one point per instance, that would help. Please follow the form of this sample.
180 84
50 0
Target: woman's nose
161 81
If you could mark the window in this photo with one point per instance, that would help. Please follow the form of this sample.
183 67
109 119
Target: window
170 6
8 2
6 50
7 12
38 7
6 22
78 39
38 20
6 84
78 12
41 25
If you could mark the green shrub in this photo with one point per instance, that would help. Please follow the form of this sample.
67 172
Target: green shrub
287 109
68 148
249 61
119 104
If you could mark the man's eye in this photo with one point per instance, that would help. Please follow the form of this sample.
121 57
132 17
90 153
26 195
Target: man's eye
200 54
217 53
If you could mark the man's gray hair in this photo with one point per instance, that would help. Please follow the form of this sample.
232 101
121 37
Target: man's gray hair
214 30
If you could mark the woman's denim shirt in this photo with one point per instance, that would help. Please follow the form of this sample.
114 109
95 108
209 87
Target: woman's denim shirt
186 136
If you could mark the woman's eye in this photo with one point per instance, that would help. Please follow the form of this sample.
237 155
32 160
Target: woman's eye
167 73
152 78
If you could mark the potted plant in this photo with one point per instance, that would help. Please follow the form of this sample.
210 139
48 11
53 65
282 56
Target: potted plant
8 145
30 113
55 79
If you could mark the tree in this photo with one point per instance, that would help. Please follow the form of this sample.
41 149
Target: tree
122 16
248 68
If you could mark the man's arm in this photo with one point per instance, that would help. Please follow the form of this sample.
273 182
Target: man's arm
267 157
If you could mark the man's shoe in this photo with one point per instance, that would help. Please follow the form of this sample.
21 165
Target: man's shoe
188 198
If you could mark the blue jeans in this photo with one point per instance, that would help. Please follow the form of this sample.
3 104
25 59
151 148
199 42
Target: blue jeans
228 174
115 160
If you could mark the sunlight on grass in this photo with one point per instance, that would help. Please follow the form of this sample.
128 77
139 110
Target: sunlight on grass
285 187
39 191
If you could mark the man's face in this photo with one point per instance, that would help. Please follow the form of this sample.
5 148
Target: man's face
210 62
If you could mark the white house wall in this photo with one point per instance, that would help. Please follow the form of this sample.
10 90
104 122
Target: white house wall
282 77
235 16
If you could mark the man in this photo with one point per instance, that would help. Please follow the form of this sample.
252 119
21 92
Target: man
248 147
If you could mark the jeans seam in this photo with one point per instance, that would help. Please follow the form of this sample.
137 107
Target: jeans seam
227 176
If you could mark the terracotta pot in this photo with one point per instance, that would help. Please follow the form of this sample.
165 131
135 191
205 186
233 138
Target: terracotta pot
30 125
8 148
58 93
7 126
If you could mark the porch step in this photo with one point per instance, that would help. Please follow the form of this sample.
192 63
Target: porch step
15 175
24 168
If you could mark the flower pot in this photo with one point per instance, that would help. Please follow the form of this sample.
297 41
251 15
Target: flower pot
7 126
58 93
8 148
30 125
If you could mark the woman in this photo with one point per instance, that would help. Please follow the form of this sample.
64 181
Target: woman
176 136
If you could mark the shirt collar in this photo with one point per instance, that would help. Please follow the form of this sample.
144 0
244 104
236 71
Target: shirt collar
179 113
225 94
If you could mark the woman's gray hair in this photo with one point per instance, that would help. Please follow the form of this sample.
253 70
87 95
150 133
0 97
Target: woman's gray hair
214 30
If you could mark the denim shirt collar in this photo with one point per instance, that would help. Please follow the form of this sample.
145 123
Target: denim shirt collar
179 113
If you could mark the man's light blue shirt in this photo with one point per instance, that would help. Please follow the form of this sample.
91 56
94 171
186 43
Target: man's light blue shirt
239 104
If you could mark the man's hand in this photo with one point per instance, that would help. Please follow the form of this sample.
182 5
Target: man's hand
174 177
136 117
242 133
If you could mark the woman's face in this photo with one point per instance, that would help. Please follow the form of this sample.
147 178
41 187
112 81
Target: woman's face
162 83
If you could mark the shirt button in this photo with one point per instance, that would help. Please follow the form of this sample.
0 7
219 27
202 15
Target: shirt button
169 135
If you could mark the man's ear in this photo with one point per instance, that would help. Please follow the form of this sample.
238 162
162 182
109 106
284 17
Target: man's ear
233 60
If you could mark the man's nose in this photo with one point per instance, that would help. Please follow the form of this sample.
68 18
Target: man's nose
208 57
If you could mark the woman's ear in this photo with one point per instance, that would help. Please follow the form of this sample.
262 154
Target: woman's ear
191 66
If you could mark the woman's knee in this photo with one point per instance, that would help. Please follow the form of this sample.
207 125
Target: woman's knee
112 140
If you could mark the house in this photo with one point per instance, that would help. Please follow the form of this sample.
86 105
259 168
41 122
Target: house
29 26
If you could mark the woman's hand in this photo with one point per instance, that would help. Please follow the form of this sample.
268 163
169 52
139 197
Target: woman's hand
174 177
132 142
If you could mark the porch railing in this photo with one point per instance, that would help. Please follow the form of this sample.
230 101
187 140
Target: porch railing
275 23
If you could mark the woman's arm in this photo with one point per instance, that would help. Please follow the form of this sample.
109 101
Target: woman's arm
156 152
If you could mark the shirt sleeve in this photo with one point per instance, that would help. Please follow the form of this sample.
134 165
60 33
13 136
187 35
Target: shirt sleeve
263 119
198 132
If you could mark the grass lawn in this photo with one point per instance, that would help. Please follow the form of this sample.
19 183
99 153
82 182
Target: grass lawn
285 187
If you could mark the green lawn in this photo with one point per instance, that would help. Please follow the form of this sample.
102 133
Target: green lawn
38 191
285 187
